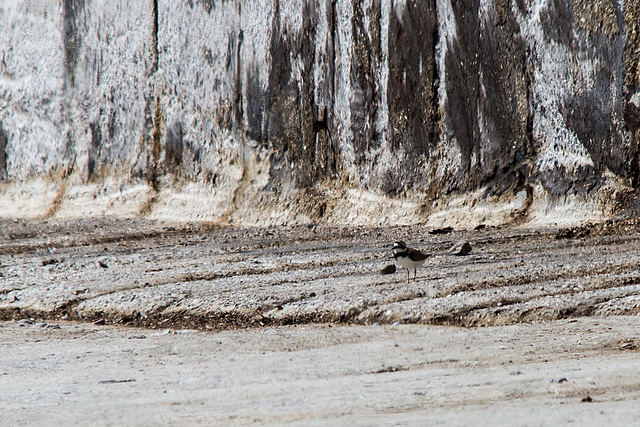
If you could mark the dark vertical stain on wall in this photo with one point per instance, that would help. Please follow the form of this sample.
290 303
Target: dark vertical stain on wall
280 90
365 90
3 153
156 147
291 103
326 150
303 149
330 160
632 119
154 37
71 11
412 91
589 116
93 149
487 85
556 19
504 101
236 105
462 98
591 113
632 87
147 164
254 105
173 147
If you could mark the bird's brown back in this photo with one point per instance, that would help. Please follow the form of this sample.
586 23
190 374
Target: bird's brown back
416 255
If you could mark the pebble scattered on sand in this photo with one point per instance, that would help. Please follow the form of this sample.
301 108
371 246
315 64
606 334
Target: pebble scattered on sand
461 248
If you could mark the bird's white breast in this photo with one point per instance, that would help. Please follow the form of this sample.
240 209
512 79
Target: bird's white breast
408 263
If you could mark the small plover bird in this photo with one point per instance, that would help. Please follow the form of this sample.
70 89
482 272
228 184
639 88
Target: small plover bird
408 258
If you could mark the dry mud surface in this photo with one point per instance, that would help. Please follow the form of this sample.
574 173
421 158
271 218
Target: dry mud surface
205 277
133 322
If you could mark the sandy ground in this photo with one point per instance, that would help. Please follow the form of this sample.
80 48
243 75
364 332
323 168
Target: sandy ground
138 323
557 373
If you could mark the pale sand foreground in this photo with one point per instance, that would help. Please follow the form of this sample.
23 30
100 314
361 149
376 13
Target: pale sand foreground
541 374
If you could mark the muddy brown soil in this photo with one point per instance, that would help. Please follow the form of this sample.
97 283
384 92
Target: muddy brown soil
140 323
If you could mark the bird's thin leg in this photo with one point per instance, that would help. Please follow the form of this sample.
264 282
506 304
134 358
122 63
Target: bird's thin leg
407 276
415 272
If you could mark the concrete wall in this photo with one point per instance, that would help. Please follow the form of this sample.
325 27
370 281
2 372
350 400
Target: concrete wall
372 111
